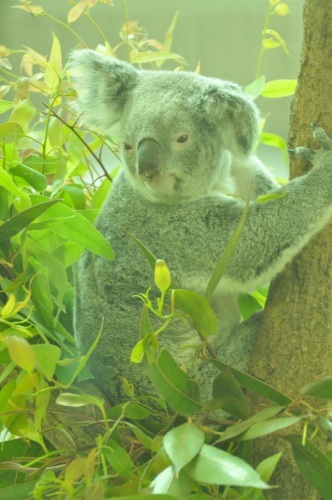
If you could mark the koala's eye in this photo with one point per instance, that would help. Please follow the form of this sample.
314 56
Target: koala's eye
127 146
182 139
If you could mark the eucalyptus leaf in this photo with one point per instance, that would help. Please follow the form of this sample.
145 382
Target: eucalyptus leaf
320 389
313 464
229 394
263 428
174 385
214 466
183 443
20 221
77 229
197 307
254 384
47 356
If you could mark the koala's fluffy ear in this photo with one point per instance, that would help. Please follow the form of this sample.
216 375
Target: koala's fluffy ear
232 111
103 85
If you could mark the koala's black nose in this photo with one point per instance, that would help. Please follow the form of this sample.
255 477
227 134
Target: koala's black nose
148 159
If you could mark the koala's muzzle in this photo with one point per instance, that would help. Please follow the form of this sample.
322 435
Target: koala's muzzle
148 159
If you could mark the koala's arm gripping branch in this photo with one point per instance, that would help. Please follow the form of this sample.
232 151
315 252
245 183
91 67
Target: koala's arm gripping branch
275 231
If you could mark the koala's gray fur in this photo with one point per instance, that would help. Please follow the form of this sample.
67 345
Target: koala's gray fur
187 142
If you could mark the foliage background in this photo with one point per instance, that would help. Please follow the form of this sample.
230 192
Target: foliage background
223 35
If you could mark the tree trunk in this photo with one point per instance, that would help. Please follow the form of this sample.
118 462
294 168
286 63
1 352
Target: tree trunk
294 345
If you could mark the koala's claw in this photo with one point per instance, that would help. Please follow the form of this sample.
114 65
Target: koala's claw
306 154
321 136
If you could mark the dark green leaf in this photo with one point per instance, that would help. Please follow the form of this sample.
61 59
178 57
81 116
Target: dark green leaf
183 443
214 466
320 389
229 394
226 256
118 458
254 384
174 385
129 410
17 491
313 464
22 220
248 305
198 308
34 178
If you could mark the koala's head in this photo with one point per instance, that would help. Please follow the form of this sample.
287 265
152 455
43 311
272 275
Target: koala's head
178 130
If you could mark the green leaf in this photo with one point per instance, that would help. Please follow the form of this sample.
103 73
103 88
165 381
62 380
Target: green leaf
7 182
174 385
264 428
320 389
229 394
77 400
279 88
118 458
226 256
21 353
34 178
23 113
214 466
146 57
169 38
147 346
313 464
276 41
183 443
266 468
255 88
54 66
10 132
17 491
254 384
248 305
168 481
129 409
198 308
5 106
47 356
77 228
23 219
235 430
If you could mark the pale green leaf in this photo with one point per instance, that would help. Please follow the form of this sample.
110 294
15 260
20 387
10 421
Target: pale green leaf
214 466
279 88
76 228
183 443
47 356
21 353
146 57
5 106
255 88
267 427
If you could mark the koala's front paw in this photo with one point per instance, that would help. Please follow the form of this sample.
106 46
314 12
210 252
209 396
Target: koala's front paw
309 154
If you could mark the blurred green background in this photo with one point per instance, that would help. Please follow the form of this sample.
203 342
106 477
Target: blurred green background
224 36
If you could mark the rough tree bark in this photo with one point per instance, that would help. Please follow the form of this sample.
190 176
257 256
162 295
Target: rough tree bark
294 345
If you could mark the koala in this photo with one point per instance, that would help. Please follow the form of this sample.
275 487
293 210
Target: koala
189 169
